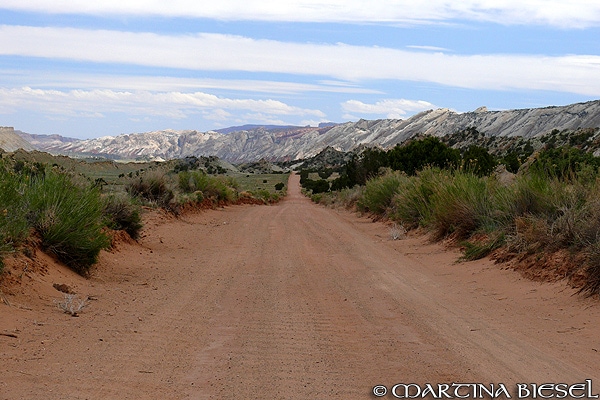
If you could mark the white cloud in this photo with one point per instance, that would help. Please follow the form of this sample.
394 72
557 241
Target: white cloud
176 105
565 14
428 48
48 79
574 74
391 108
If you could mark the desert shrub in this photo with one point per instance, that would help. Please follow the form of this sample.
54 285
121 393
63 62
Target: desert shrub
529 194
478 161
279 186
69 219
479 249
379 192
219 190
13 207
587 222
569 219
591 287
153 187
350 196
563 162
122 214
265 195
461 205
316 186
215 188
341 198
184 181
321 198
411 205
418 154
346 198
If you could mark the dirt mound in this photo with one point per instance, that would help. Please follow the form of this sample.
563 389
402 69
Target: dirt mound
553 266
35 281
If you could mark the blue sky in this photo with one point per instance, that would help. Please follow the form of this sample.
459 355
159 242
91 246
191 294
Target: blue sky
85 70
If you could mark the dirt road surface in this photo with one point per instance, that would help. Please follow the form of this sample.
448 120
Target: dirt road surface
290 301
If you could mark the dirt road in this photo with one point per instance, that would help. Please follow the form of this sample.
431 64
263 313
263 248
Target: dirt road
291 301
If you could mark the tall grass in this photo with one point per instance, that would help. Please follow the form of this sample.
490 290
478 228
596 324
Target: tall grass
214 188
412 204
152 187
346 198
67 216
69 219
379 192
461 206
121 213
13 224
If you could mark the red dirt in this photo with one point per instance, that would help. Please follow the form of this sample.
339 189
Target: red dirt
288 301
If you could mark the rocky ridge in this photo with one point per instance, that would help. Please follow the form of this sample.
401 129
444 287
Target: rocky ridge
10 141
293 143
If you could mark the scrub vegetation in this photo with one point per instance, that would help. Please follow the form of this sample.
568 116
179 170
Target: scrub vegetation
550 206
69 207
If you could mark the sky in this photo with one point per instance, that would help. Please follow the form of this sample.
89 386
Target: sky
86 69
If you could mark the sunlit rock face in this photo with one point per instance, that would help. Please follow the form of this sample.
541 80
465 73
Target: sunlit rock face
290 143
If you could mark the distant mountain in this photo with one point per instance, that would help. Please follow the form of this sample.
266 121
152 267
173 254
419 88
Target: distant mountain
10 141
281 143
250 127
45 140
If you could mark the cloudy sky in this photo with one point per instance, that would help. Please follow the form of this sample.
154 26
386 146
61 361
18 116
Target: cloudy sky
93 68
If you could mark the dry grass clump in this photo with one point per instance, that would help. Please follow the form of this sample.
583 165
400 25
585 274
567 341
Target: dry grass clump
71 304
397 231
153 187
345 198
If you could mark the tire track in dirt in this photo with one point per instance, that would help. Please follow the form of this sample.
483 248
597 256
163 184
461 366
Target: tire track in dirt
295 301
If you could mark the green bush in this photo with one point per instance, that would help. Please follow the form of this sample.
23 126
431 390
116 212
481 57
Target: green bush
13 206
184 181
379 192
412 203
316 186
69 219
532 194
152 187
347 197
563 162
418 154
122 214
215 188
265 195
13 224
478 161
591 287
478 250
461 206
